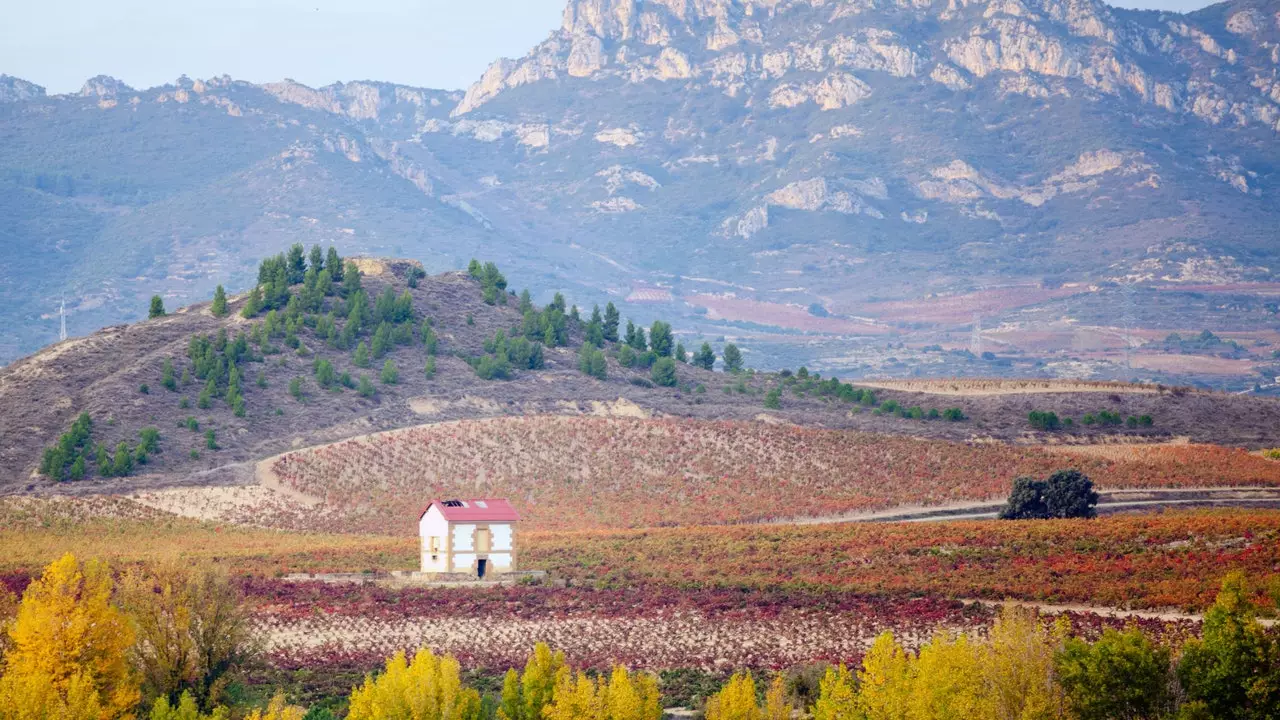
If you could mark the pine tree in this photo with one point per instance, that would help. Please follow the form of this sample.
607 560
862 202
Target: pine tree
219 308
295 264
705 358
157 307
732 359
167 377
333 264
664 372
317 258
681 355
390 374
611 319
362 355
660 338
253 305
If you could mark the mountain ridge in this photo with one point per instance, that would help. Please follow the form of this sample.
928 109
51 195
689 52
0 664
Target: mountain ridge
744 161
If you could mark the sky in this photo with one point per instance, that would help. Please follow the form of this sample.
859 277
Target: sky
428 43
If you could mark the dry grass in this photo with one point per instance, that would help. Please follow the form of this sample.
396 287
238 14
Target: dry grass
998 386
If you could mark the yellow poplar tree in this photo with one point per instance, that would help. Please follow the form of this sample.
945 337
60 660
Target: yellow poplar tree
575 697
538 684
884 682
837 696
949 682
632 696
278 710
68 648
429 688
735 701
776 706
1019 666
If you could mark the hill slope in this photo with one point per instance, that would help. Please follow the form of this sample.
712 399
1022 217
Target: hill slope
763 167
289 366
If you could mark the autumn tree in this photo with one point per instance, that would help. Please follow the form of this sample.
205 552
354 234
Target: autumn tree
737 701
1019 666
884 680
69 648
193 633
428 688
837 697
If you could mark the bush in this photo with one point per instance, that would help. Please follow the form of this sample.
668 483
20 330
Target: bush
773 399
1045 421
1065 494
954 415
664 372
390 373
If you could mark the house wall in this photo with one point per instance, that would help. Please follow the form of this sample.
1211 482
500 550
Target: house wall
433 525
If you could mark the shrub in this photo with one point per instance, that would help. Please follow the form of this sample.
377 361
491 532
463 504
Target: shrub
954 415
664 372
1045 421
773 399
390 374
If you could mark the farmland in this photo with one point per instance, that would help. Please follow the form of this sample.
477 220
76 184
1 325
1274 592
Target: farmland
569 473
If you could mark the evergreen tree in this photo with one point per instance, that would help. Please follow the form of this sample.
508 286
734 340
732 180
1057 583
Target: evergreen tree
390 374
317 258
681 355
122 465
732 359
219 308
705 358
660 340
526 302
664 372
611 318
167 378
362 355
366 388
157 307
295 264
333 264
253 305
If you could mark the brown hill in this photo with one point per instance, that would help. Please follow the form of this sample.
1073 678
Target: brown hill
103 375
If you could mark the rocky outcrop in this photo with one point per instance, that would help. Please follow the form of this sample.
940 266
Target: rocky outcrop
14 89
104 86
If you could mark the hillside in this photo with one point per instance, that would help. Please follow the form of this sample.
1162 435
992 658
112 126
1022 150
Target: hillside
285 350
849 185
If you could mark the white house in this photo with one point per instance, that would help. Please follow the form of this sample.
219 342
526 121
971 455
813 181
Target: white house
476 537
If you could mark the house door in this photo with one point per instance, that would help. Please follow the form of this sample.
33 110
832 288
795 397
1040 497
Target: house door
481 566
484 540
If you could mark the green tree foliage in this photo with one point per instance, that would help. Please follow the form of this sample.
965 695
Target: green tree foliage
157 307
954 415
773 398
506 354
366 388
390 373
219 307
1044 421
167 376
610 326
295 388
705 358
732 359
681 355
361 358
333 263
211 439
1065 494
325 375
316 259
663 372
660 339
253 305
59 462
1233 670
430 368
591 361
296 264
635 338
493 284
626 356
1122 675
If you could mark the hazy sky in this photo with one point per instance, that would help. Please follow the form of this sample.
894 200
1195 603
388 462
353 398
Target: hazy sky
431 43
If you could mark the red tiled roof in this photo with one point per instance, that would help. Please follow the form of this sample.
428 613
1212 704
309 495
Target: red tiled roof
475 510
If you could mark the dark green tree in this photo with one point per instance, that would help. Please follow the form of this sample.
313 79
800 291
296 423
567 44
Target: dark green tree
1070 494
333 264
660 340
295 264
157 307
705 358
362 355
681 355
591 361
253 305
732 359
317 259
167 377
1121 676
1026 501
611 319
773 399
663 372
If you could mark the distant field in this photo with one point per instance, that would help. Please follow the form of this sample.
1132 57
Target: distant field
568 473
1165 560
997 386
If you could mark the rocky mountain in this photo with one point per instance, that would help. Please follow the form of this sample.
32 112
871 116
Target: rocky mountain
818 176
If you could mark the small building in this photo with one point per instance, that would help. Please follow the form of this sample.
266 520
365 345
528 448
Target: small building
473 537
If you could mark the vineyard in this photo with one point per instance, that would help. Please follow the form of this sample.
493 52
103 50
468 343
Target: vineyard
716 630
570 473
1166 560
999 386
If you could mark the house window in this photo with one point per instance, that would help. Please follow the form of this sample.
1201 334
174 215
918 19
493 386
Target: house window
433 545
